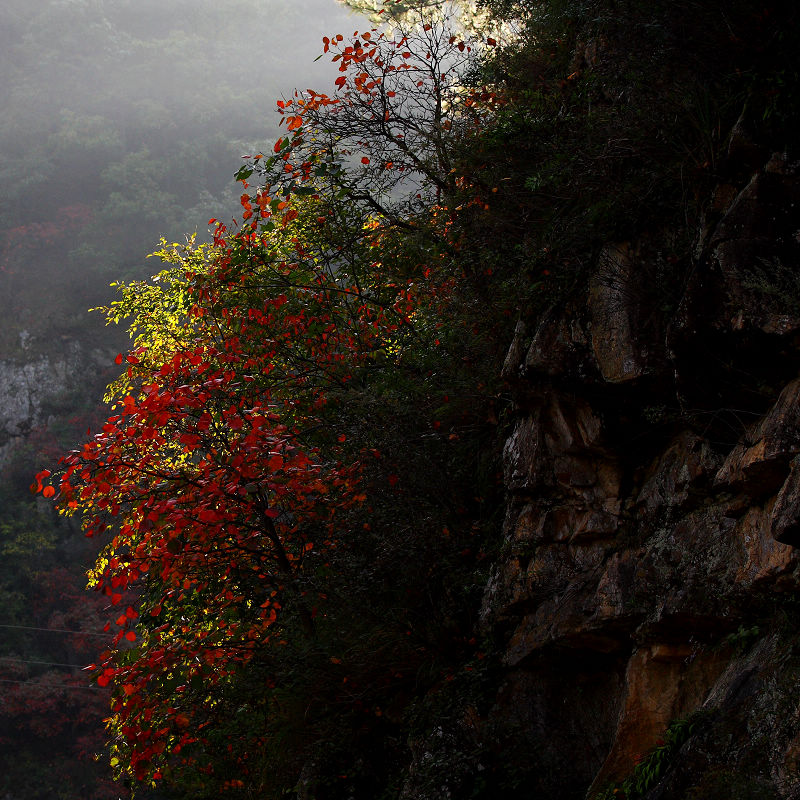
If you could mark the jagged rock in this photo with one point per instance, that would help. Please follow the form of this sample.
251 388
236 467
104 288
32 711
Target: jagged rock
552 430
514 358
568 523
614 595
614 307
785 521
760 463
683 467
743 745
560 344
523 455
653 560
528 526
765 560
555 448
570 585
563 579
28 388
663 682
570 426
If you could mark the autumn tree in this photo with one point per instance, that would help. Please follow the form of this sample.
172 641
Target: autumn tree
386 137
256 436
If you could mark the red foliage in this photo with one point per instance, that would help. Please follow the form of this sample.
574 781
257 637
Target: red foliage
219 471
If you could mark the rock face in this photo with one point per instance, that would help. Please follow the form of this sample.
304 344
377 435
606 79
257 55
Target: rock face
32 391
649 570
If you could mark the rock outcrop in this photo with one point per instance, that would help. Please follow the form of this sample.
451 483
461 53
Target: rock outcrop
649 571
35 390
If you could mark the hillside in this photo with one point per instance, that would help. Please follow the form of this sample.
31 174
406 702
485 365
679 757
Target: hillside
463 463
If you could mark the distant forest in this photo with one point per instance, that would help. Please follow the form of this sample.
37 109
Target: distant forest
123 120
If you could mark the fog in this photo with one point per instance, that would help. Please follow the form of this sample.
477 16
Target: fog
122 58
124 120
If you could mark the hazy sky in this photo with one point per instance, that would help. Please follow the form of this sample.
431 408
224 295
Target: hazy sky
111 55
124 120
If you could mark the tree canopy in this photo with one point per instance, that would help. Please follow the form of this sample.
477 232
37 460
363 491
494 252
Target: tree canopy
234 469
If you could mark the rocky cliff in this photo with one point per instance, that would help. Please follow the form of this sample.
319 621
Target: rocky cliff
36 388
647 596
645 601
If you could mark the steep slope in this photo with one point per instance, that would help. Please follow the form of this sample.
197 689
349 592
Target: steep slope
644 606
650 572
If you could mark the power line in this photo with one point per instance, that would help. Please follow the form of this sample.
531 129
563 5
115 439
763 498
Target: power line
52 630
50 685
46 663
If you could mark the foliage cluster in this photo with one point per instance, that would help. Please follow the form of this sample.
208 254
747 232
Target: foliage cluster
651 768
307 406
621 113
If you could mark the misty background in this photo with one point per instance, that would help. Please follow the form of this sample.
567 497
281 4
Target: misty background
124 120
121 121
